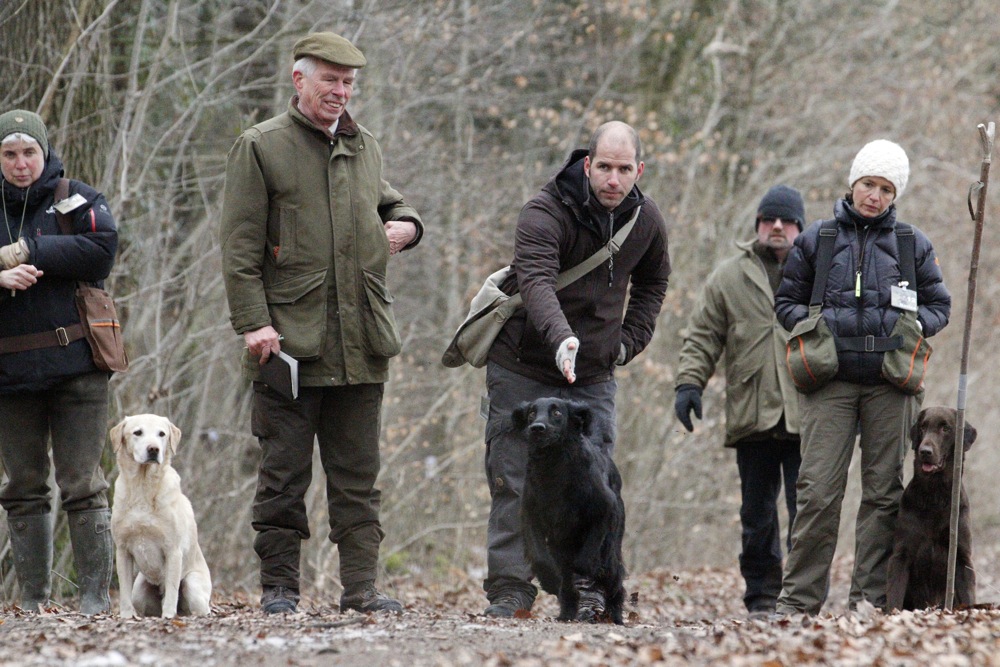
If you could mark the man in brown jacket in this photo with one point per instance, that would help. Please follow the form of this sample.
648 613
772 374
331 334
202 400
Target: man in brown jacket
567 343
308 226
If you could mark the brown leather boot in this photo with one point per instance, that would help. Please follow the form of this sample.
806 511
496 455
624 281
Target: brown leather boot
364 597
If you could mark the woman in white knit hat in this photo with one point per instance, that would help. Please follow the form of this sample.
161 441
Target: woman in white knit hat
50 389
866 302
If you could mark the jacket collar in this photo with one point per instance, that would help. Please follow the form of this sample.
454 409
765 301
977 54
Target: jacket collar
572 187
845 212
38 191
757 277
345 128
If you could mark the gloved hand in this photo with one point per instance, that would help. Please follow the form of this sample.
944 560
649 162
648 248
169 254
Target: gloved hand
688 398
566 358
622 356
14 254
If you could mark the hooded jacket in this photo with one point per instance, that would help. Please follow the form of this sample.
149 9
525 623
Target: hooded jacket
304 247
559 228
866 262
735 315
85 256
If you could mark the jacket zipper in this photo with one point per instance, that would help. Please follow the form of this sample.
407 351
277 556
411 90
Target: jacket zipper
611 259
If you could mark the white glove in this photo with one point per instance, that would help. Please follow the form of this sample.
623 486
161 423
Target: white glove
14 254
622 355
566 358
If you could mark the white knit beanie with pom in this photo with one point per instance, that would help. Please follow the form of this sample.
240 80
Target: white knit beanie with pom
881 158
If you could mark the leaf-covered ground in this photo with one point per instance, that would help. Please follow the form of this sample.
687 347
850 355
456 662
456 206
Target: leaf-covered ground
683 618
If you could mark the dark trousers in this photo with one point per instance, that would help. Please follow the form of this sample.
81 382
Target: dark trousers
73 415
764 466
345 421
506 459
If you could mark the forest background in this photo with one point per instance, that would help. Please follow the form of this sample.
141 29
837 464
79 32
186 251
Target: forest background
476 104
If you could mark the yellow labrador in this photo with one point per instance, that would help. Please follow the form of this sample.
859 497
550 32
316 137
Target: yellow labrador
161 570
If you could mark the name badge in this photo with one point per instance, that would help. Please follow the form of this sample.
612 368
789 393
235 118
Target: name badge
904 299
70 203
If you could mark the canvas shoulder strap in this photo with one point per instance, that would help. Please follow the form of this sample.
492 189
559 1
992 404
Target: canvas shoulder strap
592 262
824 258
586 266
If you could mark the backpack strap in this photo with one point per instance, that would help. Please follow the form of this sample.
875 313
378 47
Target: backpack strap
824 258
906 243
62 191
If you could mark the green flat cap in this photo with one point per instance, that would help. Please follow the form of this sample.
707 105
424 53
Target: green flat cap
25 122
330 47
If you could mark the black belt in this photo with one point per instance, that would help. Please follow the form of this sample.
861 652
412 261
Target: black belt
869 343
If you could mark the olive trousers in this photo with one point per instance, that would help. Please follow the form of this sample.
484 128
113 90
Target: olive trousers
345 422
73 417
831 420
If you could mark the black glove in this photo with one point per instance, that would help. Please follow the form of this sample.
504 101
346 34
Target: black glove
688 398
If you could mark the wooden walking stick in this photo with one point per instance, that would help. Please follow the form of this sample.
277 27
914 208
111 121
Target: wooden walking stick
986 141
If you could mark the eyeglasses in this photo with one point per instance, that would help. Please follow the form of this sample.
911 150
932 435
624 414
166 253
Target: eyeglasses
771 221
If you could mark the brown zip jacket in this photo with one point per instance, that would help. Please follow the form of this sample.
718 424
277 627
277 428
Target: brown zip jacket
559 228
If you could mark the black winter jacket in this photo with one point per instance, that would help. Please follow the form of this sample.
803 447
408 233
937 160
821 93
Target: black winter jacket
868 246
87 255
559 228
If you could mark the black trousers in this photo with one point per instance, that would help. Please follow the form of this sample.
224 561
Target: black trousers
764 465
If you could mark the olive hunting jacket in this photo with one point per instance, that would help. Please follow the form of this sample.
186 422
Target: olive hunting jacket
304 247
735 315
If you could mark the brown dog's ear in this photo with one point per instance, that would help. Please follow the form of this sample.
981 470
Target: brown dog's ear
117 435
175 437
915 435
969 437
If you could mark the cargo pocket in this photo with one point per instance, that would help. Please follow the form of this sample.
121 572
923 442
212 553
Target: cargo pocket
380 335
906 366
298 313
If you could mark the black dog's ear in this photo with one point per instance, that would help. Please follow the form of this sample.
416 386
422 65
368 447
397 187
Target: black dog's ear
519 417
581 416
969 438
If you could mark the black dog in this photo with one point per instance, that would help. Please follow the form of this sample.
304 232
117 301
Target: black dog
918 566
572 512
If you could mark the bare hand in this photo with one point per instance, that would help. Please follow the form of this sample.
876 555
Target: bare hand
20 277
262 342
400 234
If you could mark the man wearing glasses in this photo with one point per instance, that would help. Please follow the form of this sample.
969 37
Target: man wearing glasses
735 315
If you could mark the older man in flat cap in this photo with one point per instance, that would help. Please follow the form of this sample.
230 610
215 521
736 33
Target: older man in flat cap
308 225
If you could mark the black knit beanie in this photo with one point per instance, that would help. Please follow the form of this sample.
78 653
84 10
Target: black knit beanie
782 202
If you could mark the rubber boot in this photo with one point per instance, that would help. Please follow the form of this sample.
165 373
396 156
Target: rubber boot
31 545
90 532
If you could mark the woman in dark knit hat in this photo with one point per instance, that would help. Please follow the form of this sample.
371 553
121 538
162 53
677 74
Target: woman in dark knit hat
50 389
864 298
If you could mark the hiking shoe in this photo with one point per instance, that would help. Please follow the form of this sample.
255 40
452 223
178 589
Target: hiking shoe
279 600
761 609
364 597
591 607
506 605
